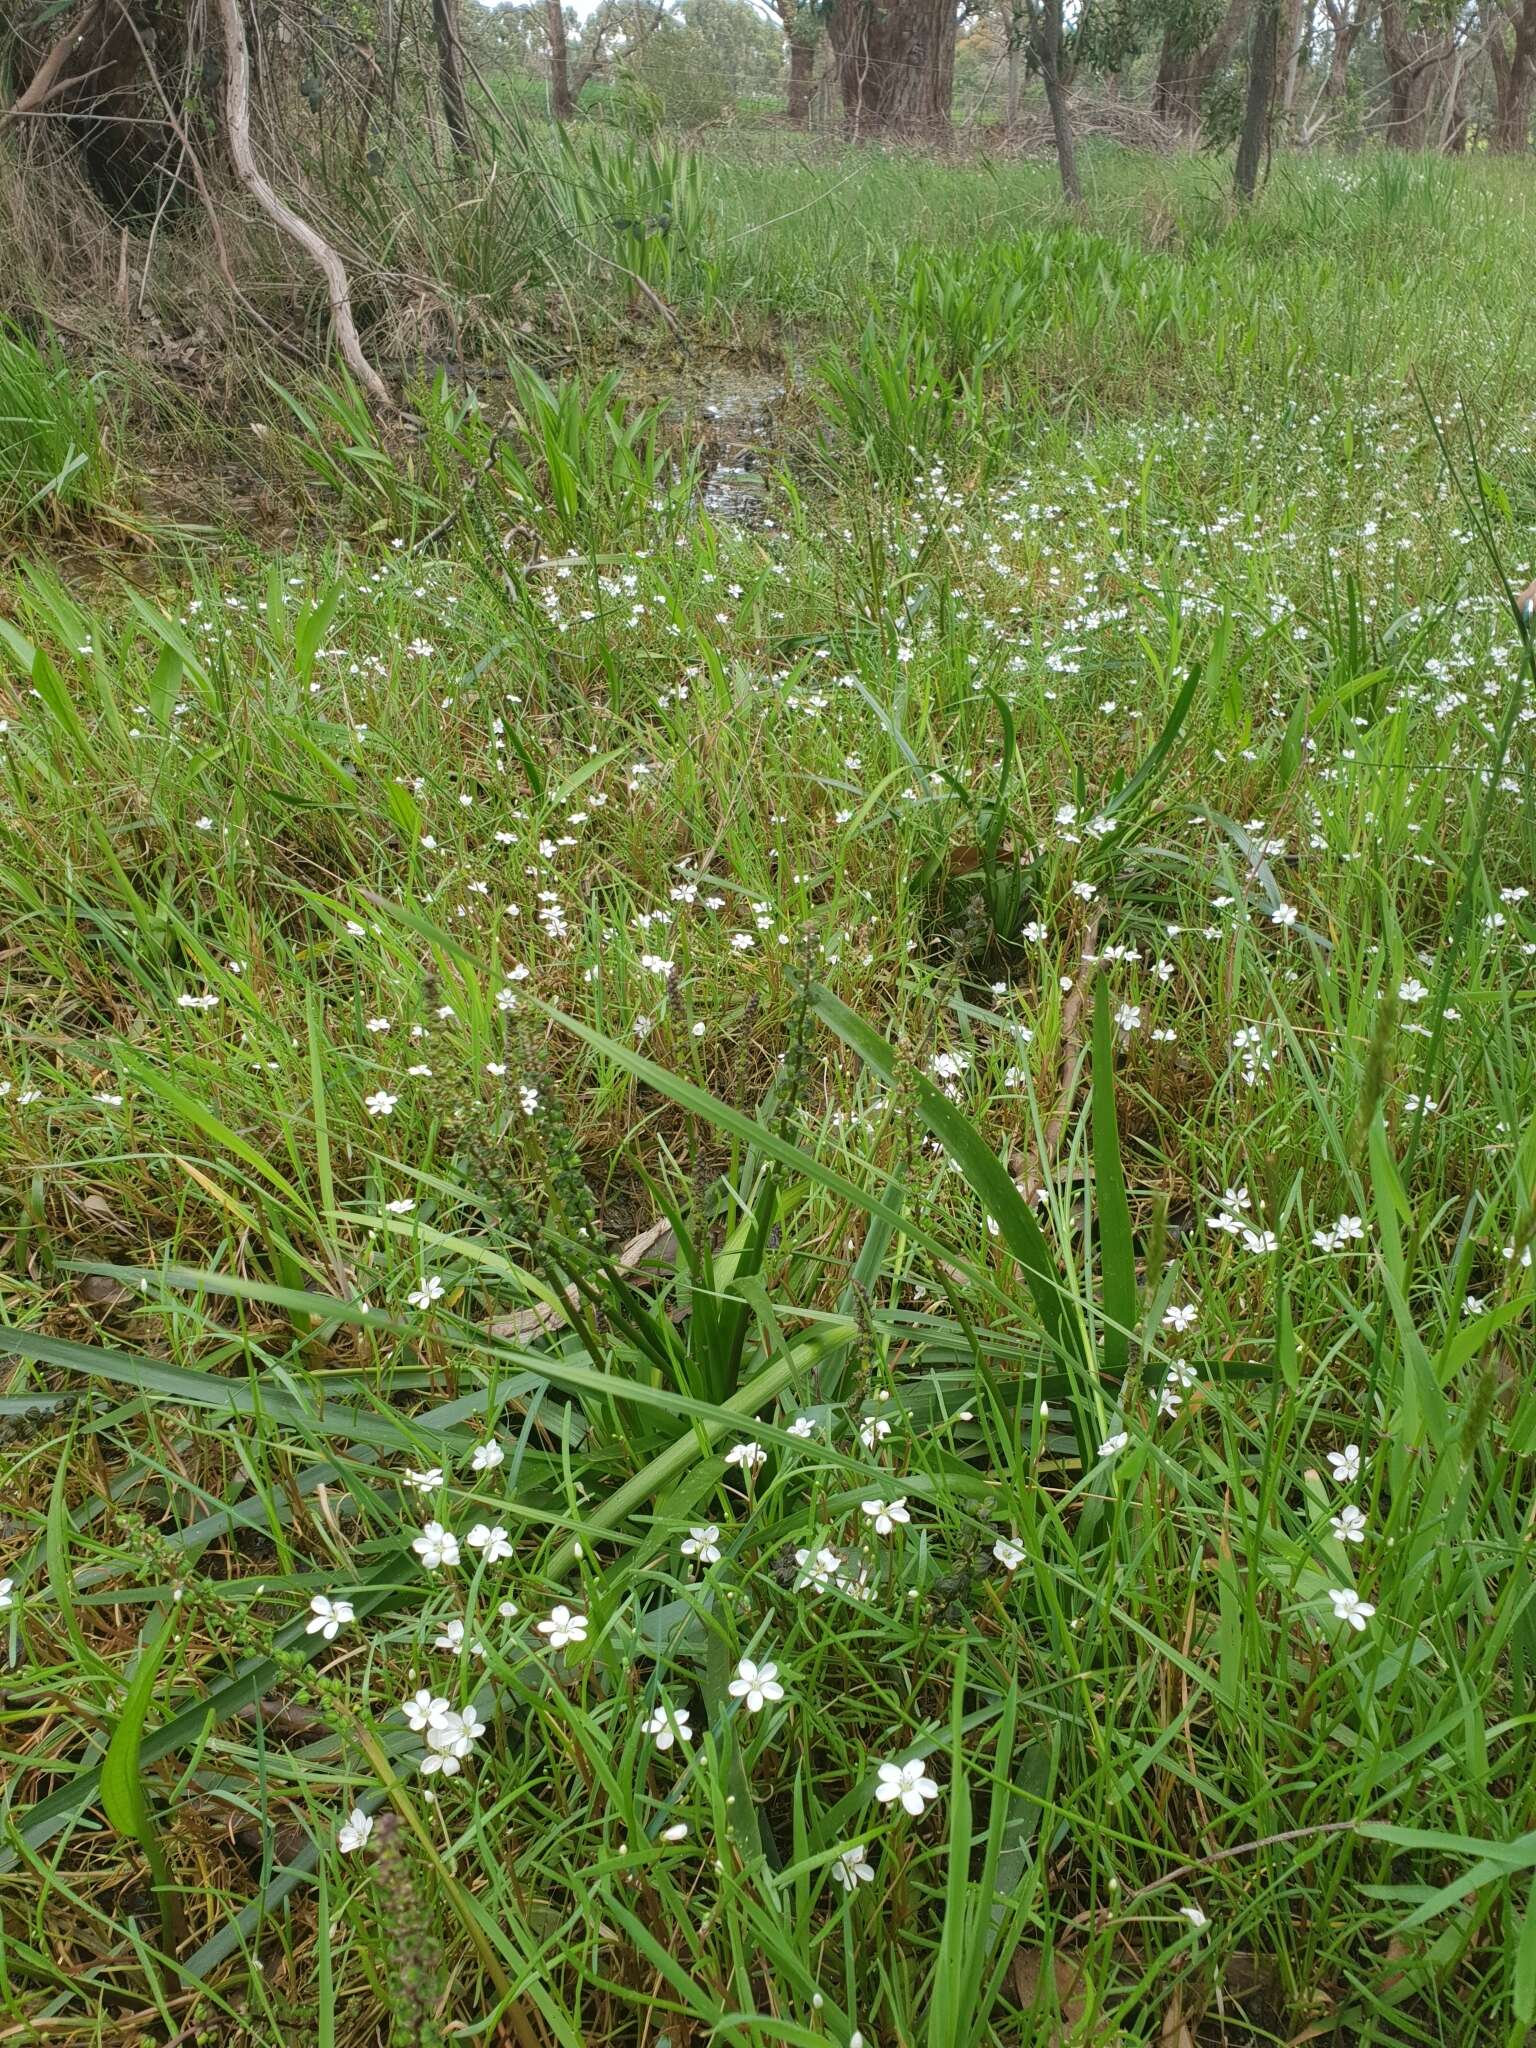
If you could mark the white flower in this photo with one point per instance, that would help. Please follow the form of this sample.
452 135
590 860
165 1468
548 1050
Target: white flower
1346 1464
452 1639
7 1594
668 1725
1260 1241
1348 1525
1194 1916
528 1097
493 1539
1112 1446
486 1457
354 1831
874 1432
818 1568
202 1002
430 1290
886 1515
703 1543
563 1628
325 1616
678 1832
1008 1554
853 1868
450 1738
381 1103
1128 1016
436 1546
423 1708
402 1205
1348 1606
757 1684
802 1426
1283 914
1411 991
1180 1318
907 1782
747 1456
427 1481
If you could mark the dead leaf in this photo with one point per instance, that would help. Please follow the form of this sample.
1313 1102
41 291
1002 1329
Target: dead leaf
1072 2000
656 1246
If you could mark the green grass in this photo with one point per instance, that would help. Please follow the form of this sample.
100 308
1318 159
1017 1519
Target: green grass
50 436
1008 990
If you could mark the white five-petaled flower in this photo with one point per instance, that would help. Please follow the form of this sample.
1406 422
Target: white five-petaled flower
1195 1917
703 1542
380 1103
452 1639
908 1782
802 1426
668 1725
747 1457
1179 1316
886 1515
757 1684
354 1831
430 1290
1112 1446
325 1616
450 1738
436 1546
7 1594
1348 1525
422 1709
1348 1606
1345 1464
491 1538
563 1628
487 1456
1412 990
426 1481
853 1868
1008 1554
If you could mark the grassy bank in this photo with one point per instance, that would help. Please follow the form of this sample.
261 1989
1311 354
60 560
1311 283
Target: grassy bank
934 1095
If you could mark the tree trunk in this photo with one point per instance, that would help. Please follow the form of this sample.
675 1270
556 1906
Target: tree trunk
895 65
1414 55
1261 91
1045 47
1011 100
1338 58
450 75
802 74
1298 30
561 105
1184 70
1512 54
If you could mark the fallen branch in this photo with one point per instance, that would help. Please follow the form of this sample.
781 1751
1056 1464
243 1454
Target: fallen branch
47 83
237 108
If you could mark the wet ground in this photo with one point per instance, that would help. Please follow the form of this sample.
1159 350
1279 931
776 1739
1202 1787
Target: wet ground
730 416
